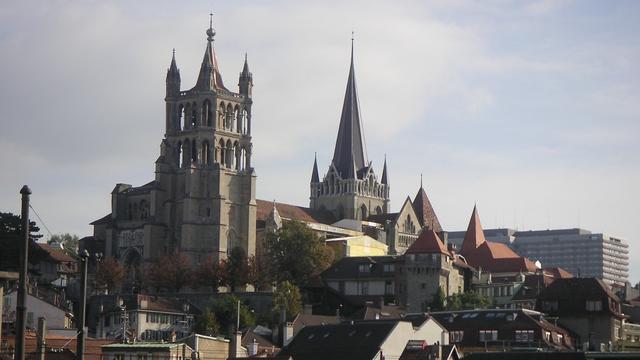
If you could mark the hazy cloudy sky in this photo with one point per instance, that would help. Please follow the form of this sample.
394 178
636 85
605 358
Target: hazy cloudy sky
529 108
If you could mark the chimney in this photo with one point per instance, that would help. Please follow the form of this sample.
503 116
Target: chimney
287 334
236 345
253 348
380 303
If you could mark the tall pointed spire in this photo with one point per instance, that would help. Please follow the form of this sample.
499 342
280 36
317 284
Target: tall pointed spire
314 173
209 77
350 145
384 179
474 236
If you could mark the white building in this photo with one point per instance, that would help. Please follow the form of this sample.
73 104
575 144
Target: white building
59 320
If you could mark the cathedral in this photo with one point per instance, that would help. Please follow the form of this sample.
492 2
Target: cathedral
202 202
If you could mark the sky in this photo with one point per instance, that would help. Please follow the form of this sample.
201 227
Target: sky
529 109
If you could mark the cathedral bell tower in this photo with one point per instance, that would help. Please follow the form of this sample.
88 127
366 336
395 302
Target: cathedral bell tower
208 203
350 189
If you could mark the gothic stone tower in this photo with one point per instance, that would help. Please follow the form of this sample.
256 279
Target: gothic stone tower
350 189
202 201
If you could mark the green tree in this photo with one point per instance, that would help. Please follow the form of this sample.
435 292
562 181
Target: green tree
287 296
225 309
257 272
69 242
237 268
10 236
438 301
296 254
467 301
110 274
207 324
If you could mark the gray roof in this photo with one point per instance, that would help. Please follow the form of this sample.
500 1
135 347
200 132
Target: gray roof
574 231
350 154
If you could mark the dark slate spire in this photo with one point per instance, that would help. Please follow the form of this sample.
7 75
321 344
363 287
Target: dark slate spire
314 173
209 77
350 146
173 76
384 179
245 81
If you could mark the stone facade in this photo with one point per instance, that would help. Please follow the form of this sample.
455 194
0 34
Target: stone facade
202 202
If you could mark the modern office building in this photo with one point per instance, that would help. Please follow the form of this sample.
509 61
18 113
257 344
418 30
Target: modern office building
503 236
578 251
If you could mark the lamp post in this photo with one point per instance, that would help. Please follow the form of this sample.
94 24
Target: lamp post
21 308
82 329
82 334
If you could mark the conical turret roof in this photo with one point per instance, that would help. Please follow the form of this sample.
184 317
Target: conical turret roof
474 237
428 243
209 77
426 215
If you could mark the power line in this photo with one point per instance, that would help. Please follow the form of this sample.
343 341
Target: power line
41 221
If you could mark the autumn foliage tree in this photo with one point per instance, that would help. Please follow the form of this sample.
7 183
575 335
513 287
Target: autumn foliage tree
171 272
110 274
211 273
295 253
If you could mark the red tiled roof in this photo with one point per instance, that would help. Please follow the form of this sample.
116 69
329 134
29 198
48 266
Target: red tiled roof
488 255
293 212
558 272
428 242
56 254
474 236
426 215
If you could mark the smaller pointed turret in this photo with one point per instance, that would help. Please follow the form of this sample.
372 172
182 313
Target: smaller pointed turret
173 77
384 179
314 173
245 82
474 237
209 77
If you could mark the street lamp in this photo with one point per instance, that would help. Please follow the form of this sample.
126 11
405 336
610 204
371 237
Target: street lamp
82 329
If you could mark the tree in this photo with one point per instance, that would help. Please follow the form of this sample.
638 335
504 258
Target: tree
296 254
257 272
237 268
287 296
110 274
210 274
207 324
69 242
10 236
171 272
225 310
438 301
467 301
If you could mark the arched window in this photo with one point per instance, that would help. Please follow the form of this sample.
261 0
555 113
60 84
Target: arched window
229 118
363 212
185 116
205 153
378 210
208 113
237 156
222 153
221 116
194 153
229 155
194 116
237 119
180 124
179 155
245 121
186 153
